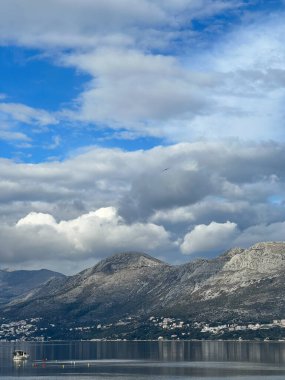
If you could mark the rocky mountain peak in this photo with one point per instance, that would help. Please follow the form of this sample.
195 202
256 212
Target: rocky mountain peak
266 257
126 260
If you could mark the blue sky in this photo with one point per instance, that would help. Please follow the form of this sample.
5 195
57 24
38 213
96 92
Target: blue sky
46 77
98 98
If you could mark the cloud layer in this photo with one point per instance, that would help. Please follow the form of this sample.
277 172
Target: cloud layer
96 234
234 88
152 73
198 199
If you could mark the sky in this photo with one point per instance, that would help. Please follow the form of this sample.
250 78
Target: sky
139 125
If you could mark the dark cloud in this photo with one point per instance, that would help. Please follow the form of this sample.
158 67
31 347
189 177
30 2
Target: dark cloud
164 189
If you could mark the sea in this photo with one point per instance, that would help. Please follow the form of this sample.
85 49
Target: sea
142 360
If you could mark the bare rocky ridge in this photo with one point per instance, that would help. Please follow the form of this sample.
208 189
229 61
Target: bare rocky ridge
240 284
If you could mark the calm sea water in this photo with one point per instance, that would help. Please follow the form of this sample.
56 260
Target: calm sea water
146 360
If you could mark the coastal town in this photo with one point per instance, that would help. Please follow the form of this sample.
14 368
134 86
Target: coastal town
153 328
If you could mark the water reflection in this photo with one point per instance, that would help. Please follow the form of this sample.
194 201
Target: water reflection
172 358
20 364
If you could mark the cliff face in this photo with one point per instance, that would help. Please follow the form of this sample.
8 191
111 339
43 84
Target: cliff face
245 284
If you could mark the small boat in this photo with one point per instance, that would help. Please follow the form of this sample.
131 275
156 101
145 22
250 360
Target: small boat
20 355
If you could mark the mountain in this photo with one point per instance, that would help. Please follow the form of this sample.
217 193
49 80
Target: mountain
244 284
16 283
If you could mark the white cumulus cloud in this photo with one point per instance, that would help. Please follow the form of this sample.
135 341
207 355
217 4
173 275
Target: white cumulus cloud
89 236
205 238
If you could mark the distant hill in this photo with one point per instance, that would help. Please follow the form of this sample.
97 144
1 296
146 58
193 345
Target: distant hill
16 283
241 284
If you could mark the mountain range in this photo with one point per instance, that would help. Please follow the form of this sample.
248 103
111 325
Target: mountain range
243 284
16 283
